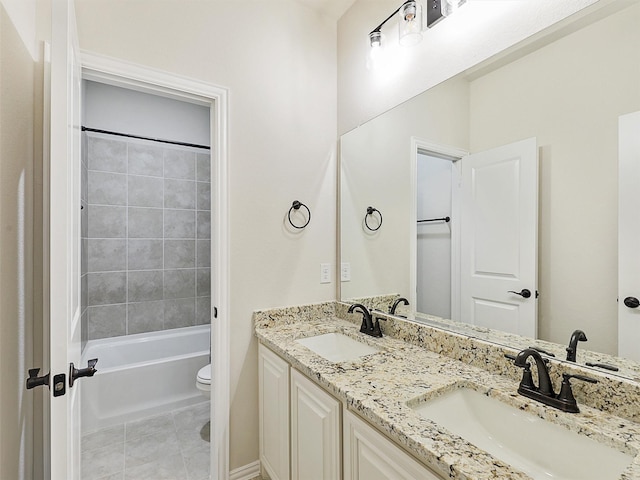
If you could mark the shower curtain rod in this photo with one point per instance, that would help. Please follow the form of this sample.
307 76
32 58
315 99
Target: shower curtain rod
128 135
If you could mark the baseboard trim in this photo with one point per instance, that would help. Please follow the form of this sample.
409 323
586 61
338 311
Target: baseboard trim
246 472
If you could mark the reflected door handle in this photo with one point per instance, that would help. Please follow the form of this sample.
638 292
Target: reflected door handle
76 373
525 292
632 302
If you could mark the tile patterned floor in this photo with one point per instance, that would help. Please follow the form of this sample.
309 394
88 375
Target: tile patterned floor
173 446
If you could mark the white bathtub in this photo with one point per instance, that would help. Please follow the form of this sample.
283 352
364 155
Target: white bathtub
143 374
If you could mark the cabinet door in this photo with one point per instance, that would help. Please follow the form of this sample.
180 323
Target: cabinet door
274 414
369 455
315 431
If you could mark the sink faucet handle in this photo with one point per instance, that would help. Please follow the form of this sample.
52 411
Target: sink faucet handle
376 331
584 378
566 394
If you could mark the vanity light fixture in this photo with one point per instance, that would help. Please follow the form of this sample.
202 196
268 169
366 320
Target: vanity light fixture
410 23
450 6
411 20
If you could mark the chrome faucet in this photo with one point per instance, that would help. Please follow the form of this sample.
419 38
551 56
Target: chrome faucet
572 349
544 393
400 300
367 326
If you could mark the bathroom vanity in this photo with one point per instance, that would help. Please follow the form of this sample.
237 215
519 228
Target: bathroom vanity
362 415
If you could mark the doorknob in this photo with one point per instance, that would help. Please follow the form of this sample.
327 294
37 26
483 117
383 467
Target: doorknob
632 302
525 292
75 373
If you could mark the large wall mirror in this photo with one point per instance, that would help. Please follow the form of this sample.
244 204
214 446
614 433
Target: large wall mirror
565 91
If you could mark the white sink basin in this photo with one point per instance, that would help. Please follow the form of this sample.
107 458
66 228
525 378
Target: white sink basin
530 444
337 347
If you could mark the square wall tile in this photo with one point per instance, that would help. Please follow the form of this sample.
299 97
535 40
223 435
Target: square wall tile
145 286
203 282
145 160
107 288
203 310
145 222
179 194
179 164
107 222
84 255
106 155
107 188
179 283
179 254
107 254
84 219
203 224
145 254
145 191
203 167
203 196
203 253
179 313
179 223
106 321
145 317
84 181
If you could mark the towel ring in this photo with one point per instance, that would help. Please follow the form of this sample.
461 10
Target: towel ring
296 206
370 211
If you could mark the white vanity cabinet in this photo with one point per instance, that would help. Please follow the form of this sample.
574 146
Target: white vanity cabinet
315 431
369 455
273 404
306 434
300 426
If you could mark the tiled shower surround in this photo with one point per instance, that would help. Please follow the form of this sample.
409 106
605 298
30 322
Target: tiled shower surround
146 236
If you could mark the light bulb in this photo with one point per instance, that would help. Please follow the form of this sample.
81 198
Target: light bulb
410 23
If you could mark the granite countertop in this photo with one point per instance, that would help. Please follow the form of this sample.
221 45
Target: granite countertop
381 386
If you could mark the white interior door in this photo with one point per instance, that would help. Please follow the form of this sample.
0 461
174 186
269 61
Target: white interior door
499 219
629 235
64 243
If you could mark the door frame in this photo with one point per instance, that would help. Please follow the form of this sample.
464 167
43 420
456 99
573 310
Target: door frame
455 155
137 77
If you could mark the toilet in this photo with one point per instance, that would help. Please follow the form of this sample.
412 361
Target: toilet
203 380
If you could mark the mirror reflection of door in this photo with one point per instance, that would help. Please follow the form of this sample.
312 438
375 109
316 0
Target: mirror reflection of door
628 236
499 238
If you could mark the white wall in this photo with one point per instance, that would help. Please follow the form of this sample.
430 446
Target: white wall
279 61
569 95
123 110
478 30
17 107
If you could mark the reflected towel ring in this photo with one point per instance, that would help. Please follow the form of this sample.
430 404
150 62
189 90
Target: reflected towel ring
370 211
296 206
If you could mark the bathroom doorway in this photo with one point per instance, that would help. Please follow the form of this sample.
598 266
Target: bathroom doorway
435 240
153 158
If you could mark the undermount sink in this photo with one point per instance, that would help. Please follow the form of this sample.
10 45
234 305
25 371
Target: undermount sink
540 449
337 347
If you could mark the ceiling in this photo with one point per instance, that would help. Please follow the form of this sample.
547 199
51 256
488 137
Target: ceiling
333 8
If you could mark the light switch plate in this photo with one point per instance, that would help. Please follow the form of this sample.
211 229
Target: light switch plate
345 272
325 273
